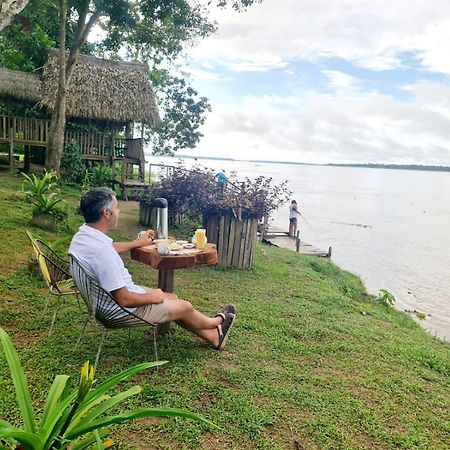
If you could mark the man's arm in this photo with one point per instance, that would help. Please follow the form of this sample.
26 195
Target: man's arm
128 299
124 247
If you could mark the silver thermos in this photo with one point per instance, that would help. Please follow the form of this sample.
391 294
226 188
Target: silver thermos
159 218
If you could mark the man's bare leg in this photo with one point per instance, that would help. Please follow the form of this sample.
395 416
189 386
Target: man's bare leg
184 314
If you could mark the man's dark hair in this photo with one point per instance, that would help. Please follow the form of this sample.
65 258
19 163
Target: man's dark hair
94 202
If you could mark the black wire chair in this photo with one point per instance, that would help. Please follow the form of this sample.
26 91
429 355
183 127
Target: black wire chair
55 271
102 306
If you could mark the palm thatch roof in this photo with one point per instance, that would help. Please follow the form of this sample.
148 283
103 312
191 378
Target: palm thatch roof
20 85
103 89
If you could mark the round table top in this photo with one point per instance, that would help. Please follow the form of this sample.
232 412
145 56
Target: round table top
180 260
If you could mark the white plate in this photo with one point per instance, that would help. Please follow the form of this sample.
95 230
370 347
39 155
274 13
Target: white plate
187 245
181 242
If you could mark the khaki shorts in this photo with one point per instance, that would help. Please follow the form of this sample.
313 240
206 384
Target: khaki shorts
157 313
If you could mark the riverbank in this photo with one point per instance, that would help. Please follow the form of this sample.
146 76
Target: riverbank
313 362
432 324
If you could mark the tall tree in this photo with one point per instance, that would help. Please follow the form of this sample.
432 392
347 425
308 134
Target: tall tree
183 112
163 28
154 31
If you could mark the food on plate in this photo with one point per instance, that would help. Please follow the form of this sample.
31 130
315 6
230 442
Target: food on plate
187 245
175 246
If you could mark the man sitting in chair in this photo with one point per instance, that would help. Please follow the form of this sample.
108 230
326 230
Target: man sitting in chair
100 255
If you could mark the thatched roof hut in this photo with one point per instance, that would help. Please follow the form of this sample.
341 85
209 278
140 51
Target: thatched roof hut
103 89
100 89
20 85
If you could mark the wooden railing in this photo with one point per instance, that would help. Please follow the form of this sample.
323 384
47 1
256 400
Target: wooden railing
24 130
100 146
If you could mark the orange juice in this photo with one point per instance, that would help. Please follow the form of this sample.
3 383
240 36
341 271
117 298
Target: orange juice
200 235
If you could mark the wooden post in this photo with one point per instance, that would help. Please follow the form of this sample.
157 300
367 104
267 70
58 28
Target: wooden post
142 163
297 242
264 227
329 252
11 150
26 161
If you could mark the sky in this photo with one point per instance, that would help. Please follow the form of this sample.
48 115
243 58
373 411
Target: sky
327 81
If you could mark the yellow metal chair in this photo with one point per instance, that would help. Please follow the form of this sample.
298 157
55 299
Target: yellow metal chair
55 271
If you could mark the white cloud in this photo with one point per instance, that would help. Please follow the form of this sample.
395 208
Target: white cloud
340 79
342 128
205 75
256 66
349 124
371 34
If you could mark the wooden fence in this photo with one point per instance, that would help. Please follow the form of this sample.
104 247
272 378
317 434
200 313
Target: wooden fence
235 240
24 130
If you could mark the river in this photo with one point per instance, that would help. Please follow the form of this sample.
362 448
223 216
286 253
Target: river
390 227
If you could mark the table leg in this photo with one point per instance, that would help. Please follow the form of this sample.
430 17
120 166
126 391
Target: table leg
165 283
165 279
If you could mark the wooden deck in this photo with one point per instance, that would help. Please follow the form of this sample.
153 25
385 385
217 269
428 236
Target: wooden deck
280 238
104 147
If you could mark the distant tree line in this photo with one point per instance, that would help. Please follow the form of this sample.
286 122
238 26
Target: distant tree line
395 166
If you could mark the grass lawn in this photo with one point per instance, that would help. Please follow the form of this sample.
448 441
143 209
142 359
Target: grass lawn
313 362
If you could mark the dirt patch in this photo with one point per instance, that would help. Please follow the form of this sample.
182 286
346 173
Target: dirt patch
212 441
24 340
129 219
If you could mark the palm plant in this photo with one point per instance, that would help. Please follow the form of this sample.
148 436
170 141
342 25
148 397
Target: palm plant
75 420
41 192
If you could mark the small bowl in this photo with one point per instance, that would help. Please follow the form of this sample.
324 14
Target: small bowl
187 245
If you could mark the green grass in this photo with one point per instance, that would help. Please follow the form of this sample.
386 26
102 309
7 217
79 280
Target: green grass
313 362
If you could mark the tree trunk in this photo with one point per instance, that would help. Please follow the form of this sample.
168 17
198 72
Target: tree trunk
58 123
56 134
66 69
9 9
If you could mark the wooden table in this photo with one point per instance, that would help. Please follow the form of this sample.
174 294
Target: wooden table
167 264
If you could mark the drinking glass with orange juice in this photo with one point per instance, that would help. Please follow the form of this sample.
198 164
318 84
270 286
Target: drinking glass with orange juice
200 236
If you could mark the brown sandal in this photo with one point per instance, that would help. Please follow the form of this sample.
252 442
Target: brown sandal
224 329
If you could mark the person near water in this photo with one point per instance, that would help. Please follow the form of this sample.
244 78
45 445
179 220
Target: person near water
294 215
222 180
92 246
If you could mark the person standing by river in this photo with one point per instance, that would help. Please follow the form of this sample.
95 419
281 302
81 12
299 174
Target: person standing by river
294 215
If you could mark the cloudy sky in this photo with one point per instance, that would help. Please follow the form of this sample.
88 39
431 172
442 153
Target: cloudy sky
328 81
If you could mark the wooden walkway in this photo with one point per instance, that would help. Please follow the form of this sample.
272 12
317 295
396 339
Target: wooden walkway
276 236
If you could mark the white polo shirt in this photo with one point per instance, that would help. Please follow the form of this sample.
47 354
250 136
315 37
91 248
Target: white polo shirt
95 250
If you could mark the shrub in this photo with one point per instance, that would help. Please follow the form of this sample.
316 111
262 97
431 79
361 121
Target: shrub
42 193
386 298
195 194
73 164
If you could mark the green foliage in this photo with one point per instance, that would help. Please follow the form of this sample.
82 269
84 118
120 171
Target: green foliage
74 419
42 193
73 164
386 298
184 114
186 229
101 175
